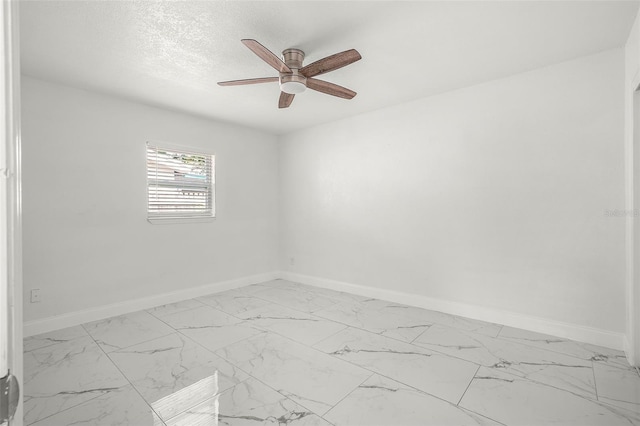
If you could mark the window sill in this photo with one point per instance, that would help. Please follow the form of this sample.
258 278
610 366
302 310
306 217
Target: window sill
179 220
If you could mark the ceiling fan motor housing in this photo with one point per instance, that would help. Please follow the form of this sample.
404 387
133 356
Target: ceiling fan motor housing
295 82
293 58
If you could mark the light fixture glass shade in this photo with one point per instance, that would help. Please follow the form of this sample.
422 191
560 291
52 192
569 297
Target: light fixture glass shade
292 87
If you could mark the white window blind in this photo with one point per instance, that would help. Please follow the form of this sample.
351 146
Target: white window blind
180 183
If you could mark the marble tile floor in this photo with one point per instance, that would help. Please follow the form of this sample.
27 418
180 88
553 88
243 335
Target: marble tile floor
281 353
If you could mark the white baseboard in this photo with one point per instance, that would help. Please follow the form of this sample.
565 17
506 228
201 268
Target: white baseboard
576 332
541 325
57 322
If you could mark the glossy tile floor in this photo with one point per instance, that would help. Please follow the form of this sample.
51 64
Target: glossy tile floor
281 353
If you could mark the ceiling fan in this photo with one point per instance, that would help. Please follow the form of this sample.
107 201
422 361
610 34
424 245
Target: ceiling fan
294 78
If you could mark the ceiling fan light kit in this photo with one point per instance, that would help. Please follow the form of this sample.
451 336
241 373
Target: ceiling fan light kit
294 78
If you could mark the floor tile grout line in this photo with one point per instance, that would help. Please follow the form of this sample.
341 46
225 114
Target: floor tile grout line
197 344
364 330
417 346
353 364
345 327
595 382
527 379
412 342
414 339
204 305
55 343
495 338
288 398
235 365
134 344
420 335
179 331
241 319
385 337
311 313
224 291
126 378
62 411
314 315
369 331
263 329
87 400
346 396
174 312
311 346
392 378
506 339
320 309
51 345
483 416
328 319
357 365
453 316
467 388
408 385
502 326
610 402
228 313
510 373
583 396
374 373
218 356
219 394
279 304
318 351
499 339
249 375
204 347
442 353
521 377
291 307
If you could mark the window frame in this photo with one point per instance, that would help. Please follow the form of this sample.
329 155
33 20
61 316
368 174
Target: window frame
179 217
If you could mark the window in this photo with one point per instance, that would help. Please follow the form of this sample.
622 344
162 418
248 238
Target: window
181 183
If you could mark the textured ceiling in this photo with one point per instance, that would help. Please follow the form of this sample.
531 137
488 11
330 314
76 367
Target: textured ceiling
171 54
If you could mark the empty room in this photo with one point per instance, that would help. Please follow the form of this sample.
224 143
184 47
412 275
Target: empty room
320 213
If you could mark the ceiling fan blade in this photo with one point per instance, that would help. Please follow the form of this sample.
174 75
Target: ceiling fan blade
285 100
248 81
330 88
331 63
266 55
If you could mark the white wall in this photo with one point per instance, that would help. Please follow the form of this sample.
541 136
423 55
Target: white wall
86 239
632 179
494 195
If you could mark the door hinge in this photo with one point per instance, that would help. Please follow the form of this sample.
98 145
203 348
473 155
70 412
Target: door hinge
9 397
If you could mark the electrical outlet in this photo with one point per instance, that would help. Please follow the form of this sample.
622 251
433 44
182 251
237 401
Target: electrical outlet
292 261
35 295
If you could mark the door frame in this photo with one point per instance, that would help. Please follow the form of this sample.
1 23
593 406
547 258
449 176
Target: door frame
12 226
632 204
